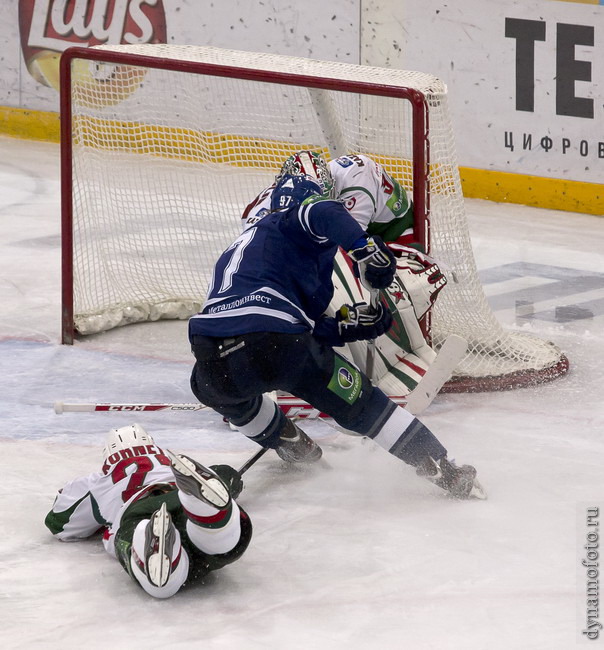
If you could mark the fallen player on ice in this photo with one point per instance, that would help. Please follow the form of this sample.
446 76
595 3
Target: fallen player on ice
166 518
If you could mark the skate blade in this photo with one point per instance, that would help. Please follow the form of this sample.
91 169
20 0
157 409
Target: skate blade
477 491
158 564
158 569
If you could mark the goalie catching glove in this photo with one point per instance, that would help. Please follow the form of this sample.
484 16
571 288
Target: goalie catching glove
360 322
375 264
420 277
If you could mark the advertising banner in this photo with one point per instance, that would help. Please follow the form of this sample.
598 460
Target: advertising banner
528 76
48 27
42 29
525 77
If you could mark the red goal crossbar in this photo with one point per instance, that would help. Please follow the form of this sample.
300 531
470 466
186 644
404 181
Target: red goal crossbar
420 191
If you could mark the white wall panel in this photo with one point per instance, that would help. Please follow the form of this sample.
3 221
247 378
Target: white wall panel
517 85
519 104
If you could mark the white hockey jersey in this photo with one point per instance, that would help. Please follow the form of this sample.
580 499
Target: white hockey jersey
375 200
369 193
97 501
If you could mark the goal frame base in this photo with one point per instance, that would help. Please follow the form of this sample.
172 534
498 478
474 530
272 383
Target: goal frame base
511 381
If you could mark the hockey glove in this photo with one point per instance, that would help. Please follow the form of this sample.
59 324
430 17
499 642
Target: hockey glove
420 276
327 332
360 322
230 477
374 263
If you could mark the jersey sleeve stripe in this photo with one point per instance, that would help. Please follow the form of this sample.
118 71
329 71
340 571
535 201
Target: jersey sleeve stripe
357 189
304 218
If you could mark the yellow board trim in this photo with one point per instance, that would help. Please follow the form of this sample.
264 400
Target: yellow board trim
30 125
536 191
180 143
501 187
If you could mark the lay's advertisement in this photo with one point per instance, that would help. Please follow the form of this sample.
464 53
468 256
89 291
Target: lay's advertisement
47 27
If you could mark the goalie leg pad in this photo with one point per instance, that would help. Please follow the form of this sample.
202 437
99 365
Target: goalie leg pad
417 342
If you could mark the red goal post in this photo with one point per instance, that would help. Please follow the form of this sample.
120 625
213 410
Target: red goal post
163 146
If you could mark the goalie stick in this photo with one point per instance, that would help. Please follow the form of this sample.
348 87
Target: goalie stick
370 362
450 354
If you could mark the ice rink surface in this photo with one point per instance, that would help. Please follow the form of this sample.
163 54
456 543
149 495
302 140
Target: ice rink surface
359 554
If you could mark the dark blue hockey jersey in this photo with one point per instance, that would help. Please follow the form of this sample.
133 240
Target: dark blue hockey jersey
276 277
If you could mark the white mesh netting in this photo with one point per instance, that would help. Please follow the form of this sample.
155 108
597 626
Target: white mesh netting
165 160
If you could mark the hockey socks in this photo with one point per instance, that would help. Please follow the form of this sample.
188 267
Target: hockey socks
264 422
269 427
213 531
405 437
419 447
213 519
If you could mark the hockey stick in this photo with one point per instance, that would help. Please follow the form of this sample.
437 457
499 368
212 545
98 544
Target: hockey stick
370 362
439 372
292 407
62 407
416 402
257 456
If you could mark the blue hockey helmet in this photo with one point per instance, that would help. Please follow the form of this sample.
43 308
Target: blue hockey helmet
291 191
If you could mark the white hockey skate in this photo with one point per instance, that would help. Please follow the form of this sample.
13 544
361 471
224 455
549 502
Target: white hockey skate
199 481
459 482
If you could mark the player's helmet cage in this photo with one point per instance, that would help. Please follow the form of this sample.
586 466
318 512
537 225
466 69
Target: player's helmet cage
308 163
125 438
291 191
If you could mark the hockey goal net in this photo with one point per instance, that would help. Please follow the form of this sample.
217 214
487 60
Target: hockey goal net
164 145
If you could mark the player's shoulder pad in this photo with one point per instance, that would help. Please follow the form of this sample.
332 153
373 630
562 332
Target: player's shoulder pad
348 160
342 161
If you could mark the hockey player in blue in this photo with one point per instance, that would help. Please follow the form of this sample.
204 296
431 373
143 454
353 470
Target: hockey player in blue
263 328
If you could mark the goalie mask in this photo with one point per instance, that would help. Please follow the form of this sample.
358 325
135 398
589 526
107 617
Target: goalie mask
308 163
291 191
125 438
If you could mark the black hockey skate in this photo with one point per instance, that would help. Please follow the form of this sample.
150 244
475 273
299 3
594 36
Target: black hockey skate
198 481
160 536
459 482
296 447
